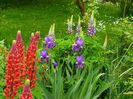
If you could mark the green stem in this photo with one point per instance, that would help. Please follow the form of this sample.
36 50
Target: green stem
124 12
55 85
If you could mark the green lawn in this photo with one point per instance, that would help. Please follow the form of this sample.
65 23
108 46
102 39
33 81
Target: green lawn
38 16
33 18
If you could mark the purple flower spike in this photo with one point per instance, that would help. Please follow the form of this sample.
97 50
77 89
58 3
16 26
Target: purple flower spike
80 62
55 64
70 23
91 30
78 27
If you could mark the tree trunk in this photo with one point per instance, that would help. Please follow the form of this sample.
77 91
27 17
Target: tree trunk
82 7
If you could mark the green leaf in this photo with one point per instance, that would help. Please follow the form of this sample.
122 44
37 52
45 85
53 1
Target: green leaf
90 90
103 88
75 86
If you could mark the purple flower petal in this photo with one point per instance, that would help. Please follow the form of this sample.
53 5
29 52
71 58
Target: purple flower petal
80 59
42 59
82 65
77 65
49 45
55 64
48 39
79 42
44 53
76 48
54 43
44 44
47 59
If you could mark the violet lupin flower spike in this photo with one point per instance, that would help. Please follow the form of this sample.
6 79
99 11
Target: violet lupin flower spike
53 35
70 23
91 30
78 27
80 62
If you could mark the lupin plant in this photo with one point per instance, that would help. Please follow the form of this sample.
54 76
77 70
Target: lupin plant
37 36
20 48
78 27
70 23
50 40
13 72
26 94
91 30
30 61
81 32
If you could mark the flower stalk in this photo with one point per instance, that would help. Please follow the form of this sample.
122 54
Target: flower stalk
13 72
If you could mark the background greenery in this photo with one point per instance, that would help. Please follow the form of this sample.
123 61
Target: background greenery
116 61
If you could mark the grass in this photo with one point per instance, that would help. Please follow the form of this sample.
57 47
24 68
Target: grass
33 18
38 16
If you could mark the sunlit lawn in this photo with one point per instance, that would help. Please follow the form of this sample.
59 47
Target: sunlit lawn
35 18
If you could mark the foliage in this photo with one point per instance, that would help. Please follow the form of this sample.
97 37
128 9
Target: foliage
70 82
3 56
107 73
125 6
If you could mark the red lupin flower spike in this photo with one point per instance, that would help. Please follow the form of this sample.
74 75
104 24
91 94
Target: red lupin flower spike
26 94
37 37
30 61
13 81
20 47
